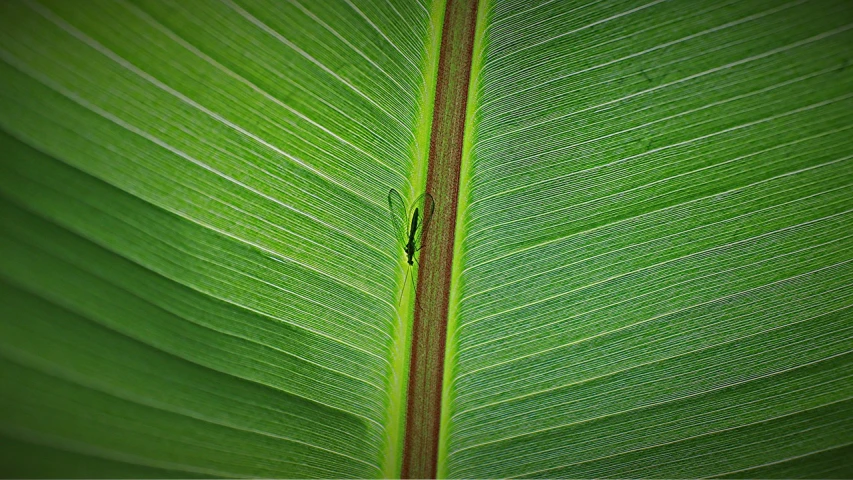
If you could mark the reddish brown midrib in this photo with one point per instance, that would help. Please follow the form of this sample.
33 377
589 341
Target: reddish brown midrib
426 369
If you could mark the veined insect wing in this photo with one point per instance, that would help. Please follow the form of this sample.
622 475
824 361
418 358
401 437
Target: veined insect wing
397 211
408 227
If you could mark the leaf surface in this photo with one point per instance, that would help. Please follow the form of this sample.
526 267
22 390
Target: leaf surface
654 268
198 275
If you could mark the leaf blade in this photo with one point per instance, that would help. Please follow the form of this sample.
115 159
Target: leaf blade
648 186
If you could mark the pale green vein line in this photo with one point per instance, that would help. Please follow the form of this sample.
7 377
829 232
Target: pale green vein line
50 16
649 50
172 35
523 11
742 126
664 402
674 234
35 363
59 302
589 25
349 44
380 32
742 61
805 427
683 113
63 444
221 299
272 32
649 214
230 302
706 434
670 261
648 294
785 460
107 115
640 365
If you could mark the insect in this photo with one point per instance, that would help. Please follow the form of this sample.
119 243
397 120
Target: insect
410 225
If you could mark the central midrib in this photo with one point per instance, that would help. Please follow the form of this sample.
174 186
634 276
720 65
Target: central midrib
429 331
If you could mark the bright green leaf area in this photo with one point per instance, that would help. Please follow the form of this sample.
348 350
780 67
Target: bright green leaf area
653 274
198 277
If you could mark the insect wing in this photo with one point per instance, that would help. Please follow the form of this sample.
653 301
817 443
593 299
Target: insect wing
426 206
397 210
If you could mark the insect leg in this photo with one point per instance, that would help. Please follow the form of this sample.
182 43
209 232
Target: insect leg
404 287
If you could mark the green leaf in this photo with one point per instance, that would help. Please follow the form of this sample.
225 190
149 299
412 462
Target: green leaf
654 271
653 262
198 273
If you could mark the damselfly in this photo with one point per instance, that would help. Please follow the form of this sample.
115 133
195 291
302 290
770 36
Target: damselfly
410 225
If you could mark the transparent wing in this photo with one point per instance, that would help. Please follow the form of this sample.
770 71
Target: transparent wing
397 210
426 206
